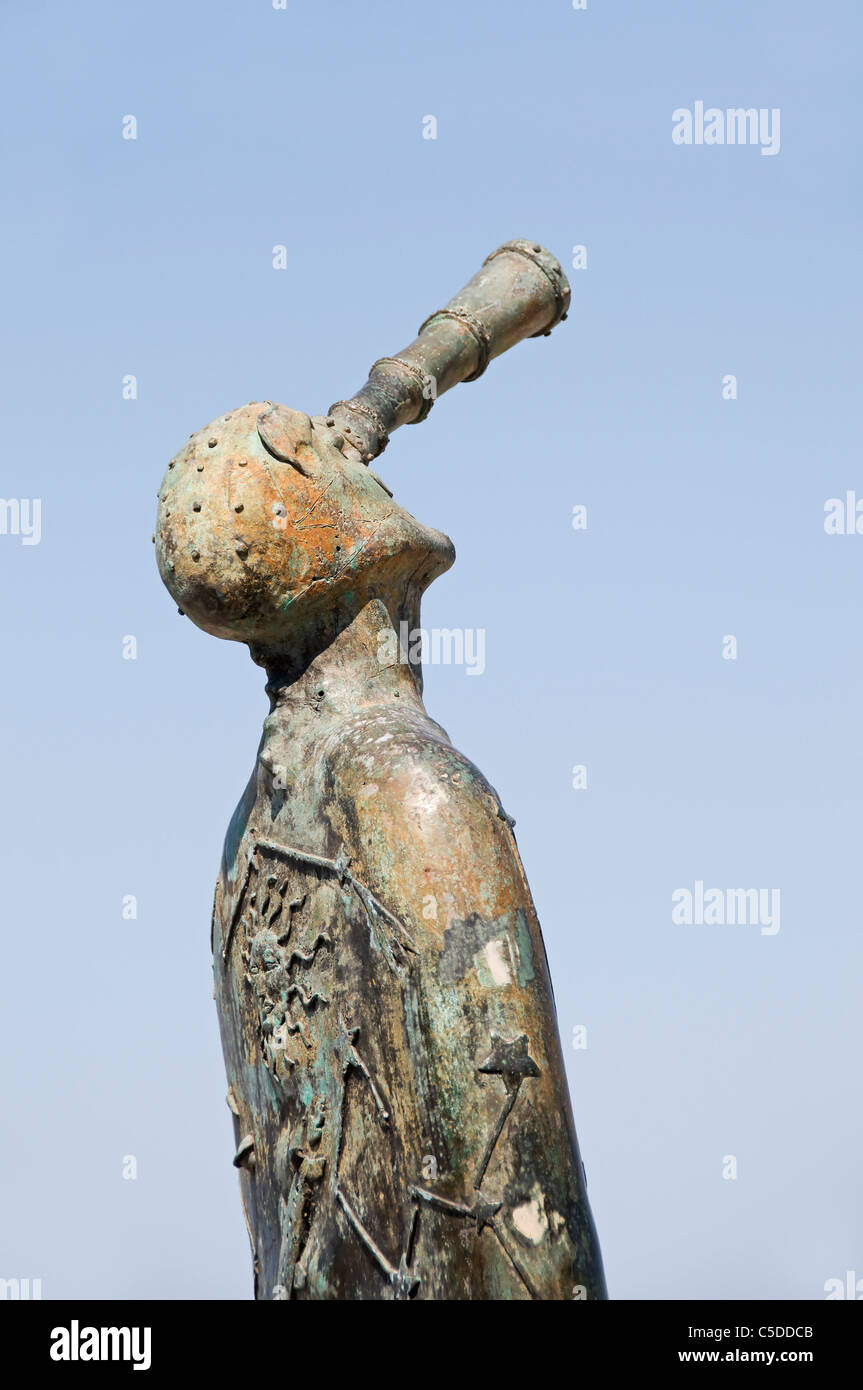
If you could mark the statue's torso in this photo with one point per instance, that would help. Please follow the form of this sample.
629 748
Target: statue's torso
388 1026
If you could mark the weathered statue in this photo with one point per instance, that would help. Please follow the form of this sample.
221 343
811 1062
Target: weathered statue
402 1118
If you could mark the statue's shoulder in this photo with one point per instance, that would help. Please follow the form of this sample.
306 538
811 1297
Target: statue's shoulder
427 830
401 760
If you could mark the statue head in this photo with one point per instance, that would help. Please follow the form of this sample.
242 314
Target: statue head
272 530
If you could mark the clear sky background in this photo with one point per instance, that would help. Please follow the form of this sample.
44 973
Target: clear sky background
153 257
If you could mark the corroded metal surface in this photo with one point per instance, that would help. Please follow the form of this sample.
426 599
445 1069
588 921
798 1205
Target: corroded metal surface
403 1127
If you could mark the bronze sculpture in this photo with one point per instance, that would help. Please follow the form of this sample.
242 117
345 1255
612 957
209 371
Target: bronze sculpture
401 1113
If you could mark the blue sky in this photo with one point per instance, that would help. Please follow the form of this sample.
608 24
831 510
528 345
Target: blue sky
153 257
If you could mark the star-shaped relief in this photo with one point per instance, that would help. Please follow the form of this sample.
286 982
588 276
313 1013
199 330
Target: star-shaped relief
510 1060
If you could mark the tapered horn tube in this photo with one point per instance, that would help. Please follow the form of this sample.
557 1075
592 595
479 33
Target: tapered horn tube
520 291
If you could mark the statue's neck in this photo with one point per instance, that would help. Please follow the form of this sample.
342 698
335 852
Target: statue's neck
362 665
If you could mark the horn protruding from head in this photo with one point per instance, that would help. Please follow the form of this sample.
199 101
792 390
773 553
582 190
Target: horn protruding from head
520 291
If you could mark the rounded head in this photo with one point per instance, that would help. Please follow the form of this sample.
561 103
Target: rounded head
267 528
